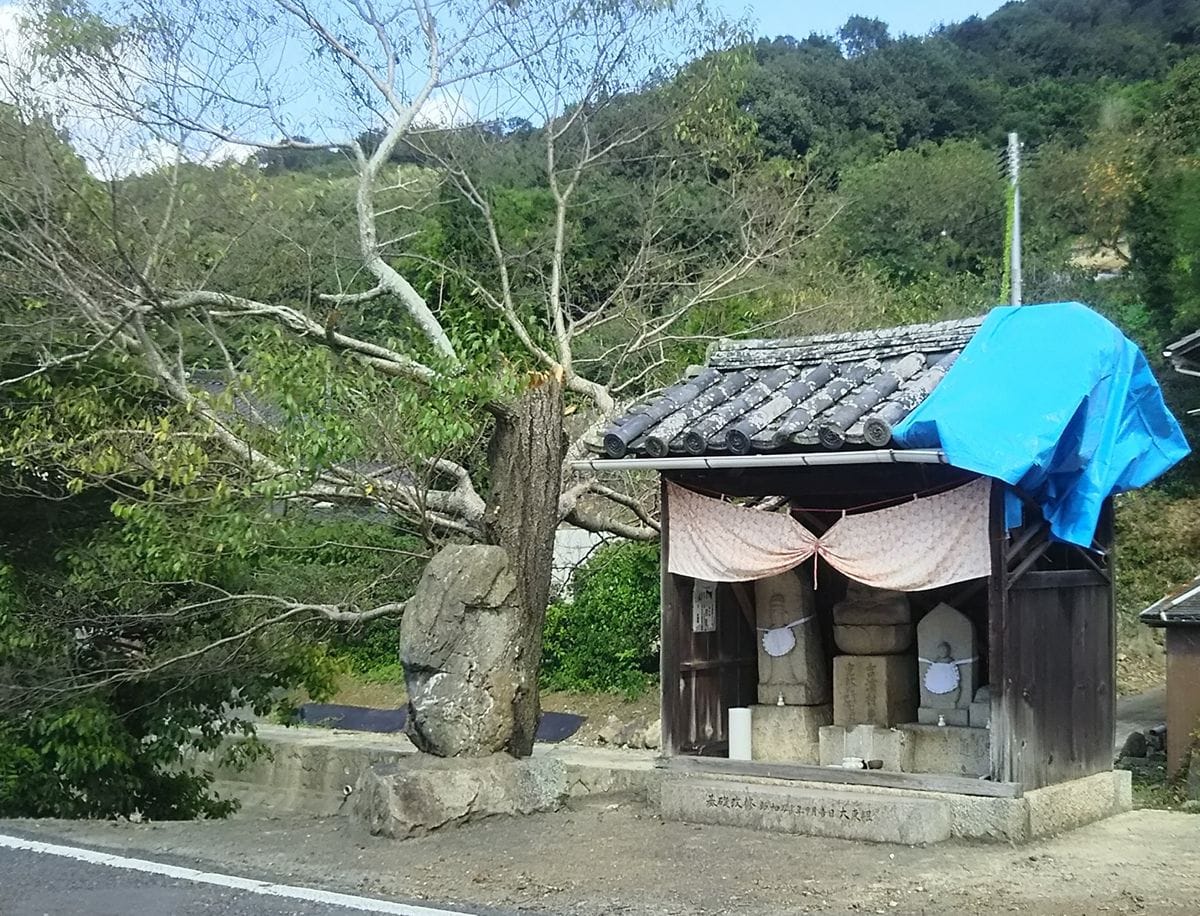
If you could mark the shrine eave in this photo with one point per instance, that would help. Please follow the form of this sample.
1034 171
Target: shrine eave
786 460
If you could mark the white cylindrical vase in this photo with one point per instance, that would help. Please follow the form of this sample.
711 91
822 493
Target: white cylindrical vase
739 733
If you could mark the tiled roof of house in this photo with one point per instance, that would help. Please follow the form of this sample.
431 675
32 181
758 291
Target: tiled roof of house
1182 353
827 391
1180 607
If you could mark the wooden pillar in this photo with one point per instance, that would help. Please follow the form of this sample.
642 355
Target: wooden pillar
1183 695
1000 677
671 603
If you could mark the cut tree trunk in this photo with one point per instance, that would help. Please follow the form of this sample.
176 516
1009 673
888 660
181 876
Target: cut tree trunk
525 462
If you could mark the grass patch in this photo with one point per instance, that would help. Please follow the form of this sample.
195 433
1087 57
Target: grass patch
1152 789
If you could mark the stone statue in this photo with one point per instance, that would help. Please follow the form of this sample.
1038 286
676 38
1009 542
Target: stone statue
949 666
791 657
942 678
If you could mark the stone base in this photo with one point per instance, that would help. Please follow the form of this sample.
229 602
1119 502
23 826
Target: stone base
892 815
947 750
870 742
794 694
423 793
1072 804
802 808
979 715
874 689
928 716
787 733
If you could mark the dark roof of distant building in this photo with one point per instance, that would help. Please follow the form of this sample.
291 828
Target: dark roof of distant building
1182 351
1180 608
799 394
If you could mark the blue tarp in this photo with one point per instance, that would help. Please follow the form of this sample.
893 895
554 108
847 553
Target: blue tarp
1057 402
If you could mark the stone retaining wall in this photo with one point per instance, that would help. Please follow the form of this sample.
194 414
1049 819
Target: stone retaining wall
309 770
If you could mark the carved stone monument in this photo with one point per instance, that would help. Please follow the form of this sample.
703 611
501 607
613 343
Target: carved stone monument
948 666
874 689
791 658
872 621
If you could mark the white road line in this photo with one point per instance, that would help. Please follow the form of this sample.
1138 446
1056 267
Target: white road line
365 904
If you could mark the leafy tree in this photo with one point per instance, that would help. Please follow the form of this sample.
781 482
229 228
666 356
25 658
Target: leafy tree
936 209
861 35
403 338
1163 181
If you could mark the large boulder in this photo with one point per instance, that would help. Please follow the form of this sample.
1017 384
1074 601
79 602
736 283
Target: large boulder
421 793
459 638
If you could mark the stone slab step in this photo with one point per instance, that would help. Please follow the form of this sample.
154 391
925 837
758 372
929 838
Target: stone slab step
840 813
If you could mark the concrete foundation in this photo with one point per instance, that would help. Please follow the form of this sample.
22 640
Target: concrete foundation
911 748
980 714
809 810
788 733
895 815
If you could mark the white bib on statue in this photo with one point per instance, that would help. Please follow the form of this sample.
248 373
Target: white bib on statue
779 641
942 677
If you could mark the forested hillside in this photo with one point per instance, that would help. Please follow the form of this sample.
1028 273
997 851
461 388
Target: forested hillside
260 391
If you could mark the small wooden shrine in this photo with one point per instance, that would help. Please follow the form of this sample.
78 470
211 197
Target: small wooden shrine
995 682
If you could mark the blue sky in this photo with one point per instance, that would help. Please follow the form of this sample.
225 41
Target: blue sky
799 17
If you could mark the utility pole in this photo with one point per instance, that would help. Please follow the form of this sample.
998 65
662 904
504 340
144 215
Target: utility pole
1014 240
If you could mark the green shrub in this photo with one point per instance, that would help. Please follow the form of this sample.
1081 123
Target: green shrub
371 651
124 748
606 637
116 667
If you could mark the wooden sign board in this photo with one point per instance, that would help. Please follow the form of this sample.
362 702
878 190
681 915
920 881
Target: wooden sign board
704 607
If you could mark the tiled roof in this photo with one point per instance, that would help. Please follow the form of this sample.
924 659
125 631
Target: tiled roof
1181 353
1180 607
798 394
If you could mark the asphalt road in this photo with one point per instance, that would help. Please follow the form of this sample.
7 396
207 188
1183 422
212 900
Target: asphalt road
38 878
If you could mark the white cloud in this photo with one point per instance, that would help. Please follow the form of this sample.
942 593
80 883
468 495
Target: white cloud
14 52
446 108
111 145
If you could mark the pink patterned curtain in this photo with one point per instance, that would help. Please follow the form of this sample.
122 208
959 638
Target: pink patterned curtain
925 543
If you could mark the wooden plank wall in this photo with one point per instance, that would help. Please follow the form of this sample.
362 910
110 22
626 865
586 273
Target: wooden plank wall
1060 651
1183 695
1052 656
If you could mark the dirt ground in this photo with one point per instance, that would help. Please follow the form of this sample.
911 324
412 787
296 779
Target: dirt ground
610 857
